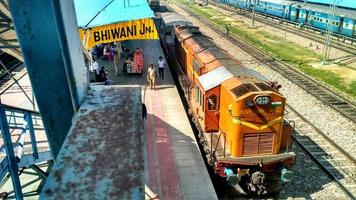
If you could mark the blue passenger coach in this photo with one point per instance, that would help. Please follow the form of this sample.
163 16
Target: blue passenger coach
305 14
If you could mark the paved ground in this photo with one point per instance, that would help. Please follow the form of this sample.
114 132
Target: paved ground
174 168
174 165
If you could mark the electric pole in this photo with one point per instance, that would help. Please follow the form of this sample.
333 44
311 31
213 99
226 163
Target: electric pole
328 35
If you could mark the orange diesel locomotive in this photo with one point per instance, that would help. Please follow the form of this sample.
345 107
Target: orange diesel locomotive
239 115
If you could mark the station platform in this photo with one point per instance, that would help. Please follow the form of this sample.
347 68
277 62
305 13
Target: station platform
174 167
173 164
110 163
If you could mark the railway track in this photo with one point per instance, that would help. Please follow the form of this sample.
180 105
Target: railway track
327 96
292 28
337 163
333 159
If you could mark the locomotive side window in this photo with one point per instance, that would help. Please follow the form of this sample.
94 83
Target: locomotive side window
196 66
199 97
197 93
212 100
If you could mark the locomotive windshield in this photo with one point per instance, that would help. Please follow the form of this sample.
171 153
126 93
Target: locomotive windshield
243 89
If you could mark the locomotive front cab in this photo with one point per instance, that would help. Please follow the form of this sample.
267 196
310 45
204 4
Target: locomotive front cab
257 141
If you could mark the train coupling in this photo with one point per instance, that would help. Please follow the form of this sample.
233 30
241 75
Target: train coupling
233 180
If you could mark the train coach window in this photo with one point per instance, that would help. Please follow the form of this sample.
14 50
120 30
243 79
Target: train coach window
212 100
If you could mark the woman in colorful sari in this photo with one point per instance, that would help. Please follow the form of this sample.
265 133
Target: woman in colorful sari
138 60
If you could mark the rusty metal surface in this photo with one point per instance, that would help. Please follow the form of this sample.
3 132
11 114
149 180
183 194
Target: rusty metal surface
102 156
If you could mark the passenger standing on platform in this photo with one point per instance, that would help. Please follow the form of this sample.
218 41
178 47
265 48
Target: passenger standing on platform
138 60
117 50
161 64
151 76
102 74
94 67
107 53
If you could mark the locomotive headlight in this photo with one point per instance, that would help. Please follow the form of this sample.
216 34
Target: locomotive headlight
262 100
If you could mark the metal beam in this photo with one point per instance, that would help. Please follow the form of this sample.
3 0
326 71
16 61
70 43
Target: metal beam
26 160
10 155
57 75
8 28
28 118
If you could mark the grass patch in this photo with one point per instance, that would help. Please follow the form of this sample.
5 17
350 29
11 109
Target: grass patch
279 47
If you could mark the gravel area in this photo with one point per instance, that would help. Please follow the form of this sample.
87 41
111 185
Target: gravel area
310 182
325 118
302 41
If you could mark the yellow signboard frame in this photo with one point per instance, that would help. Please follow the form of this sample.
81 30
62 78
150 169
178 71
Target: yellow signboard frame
140 29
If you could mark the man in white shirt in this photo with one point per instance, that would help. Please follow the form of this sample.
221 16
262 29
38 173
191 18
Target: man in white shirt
151 76
94 67
161 64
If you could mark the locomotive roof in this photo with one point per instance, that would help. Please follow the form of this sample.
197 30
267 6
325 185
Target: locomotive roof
218 52
214 78
240 71
171 18
185 32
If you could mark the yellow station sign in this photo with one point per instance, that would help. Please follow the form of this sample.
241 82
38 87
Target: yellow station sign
141 29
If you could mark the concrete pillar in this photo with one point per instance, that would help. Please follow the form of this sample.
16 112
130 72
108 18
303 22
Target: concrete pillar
49 39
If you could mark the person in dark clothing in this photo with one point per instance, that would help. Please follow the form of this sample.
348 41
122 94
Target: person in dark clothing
102 75
228 29
144 112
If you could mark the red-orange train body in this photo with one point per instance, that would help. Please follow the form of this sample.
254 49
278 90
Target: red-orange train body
239 115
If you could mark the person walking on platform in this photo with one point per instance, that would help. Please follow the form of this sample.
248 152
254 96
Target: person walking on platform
161 64
151 76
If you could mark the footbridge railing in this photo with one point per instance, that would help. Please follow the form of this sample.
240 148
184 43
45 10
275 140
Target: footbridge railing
16 154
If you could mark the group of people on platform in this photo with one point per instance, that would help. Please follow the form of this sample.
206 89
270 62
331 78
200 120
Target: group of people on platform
134 63
101 74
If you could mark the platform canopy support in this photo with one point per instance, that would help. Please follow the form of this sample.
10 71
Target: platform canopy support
49 39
